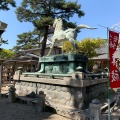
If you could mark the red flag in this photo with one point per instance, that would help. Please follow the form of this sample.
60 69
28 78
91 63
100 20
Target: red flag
114 76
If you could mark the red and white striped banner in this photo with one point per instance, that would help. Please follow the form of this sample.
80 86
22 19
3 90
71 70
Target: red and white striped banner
113 43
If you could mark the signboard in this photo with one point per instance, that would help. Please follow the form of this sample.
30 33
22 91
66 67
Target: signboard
114 73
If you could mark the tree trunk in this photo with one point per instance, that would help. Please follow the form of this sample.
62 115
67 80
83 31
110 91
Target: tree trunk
42 52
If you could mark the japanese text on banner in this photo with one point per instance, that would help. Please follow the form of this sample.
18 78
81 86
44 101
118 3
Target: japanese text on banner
114 76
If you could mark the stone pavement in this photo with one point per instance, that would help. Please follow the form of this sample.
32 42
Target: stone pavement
18 111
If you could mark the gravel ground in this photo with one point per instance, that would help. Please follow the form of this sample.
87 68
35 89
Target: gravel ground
19 111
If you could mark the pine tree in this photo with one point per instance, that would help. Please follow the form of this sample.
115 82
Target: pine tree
27 40
4 4
43 12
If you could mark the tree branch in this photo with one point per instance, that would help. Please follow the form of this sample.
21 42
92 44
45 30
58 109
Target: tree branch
41 2
64 12
55 12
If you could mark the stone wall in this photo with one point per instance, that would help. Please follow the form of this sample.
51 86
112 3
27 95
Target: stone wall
64 95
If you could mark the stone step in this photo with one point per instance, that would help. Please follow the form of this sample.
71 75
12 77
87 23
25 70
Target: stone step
104 108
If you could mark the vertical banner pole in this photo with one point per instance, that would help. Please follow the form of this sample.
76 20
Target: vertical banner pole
114 78
109 73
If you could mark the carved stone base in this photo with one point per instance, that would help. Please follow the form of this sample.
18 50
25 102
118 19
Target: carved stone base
65 98
63 83
62 64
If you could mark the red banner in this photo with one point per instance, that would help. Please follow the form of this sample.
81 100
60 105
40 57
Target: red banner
114 76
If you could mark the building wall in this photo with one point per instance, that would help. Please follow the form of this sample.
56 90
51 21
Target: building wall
103 64
53 52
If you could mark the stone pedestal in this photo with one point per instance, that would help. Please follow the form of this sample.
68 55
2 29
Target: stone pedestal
41 102
62 79
62 64
12 97
95 113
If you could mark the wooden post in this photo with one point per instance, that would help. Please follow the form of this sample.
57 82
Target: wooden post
31 67
1 67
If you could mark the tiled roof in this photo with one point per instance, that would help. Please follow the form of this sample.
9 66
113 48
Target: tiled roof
102 49
105 56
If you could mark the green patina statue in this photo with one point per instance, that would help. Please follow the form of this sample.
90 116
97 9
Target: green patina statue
63 64
61 35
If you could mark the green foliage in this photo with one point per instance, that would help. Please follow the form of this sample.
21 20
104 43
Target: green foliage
4 4
119 45
86 46
67 46
5 53
27 40
37 9
4 42
43 12
90 64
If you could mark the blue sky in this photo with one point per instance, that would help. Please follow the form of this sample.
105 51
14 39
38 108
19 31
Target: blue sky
103 12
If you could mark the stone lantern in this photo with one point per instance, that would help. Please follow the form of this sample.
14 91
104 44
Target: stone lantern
3 26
